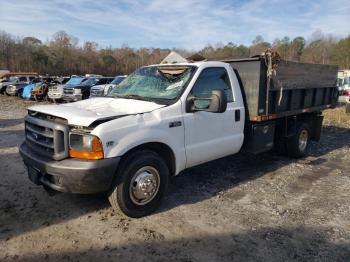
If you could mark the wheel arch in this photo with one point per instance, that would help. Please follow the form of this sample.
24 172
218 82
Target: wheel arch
164 151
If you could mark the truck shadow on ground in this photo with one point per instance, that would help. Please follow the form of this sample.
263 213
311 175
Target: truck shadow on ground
11 138
266 244
25 207
10 122
22 203
207 180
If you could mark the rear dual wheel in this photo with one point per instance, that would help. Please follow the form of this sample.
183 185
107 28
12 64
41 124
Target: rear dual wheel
298 145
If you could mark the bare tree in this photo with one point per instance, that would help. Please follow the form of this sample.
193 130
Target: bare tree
63 55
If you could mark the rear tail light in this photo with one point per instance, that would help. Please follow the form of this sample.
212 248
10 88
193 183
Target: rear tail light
347 93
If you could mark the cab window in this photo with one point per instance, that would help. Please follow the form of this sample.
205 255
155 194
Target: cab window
211 79
23 79
103 81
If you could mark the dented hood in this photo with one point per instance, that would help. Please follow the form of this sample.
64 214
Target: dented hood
84 113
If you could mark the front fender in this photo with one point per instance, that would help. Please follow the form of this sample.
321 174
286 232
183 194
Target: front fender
123 134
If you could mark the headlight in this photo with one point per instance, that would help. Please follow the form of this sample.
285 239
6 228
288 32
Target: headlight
107 90
85 146
77 91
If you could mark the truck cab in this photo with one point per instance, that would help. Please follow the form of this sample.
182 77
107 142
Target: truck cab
159 121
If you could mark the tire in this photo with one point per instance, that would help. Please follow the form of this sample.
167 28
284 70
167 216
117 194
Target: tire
280 146
298 145
134 171
347 107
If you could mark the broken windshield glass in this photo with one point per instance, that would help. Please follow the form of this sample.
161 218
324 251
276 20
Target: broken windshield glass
155 82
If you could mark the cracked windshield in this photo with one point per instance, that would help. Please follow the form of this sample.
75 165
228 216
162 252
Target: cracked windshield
155 82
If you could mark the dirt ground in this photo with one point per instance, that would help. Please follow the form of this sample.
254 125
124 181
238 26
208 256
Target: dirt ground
240 208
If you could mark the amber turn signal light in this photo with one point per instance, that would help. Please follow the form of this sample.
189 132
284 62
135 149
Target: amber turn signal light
95 153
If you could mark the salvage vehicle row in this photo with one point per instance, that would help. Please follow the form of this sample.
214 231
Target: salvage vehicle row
56 89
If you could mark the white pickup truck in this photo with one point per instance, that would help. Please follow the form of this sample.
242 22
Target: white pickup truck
163 119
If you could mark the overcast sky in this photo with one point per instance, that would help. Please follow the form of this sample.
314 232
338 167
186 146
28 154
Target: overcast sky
174 23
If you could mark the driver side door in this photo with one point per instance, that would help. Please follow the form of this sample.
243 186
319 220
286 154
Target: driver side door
208 135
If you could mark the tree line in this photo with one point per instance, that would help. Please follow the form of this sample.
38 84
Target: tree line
63 55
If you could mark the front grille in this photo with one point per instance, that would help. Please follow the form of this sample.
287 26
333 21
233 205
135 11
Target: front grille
47 138
68 91
96 92
56 89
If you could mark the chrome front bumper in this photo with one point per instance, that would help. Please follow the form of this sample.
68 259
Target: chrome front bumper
72 97
55 95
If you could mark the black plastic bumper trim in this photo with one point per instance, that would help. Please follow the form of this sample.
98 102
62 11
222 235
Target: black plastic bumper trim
74 175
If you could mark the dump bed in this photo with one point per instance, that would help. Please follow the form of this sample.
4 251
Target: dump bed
284 88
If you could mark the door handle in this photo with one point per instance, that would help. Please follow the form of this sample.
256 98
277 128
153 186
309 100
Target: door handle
237 115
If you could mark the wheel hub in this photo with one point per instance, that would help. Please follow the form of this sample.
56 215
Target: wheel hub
144 185
303 140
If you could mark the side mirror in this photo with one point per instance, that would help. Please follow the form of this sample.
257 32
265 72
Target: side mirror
216 103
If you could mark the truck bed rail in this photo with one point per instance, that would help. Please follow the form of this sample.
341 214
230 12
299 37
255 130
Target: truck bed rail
286 88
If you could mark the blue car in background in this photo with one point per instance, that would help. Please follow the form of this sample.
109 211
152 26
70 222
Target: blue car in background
27 90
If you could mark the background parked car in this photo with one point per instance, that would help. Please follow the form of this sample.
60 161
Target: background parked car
344 86
27 90
103 90
82 91
16 88
11 77
39 92
7 81
56 92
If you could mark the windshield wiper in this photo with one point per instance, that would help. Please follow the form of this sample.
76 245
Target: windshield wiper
131 96
137 97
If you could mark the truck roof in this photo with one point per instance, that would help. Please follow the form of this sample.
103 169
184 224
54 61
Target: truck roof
197 64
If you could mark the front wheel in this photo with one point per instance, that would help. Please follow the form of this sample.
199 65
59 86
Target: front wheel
142 181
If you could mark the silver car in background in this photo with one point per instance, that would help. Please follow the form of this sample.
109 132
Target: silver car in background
103 90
